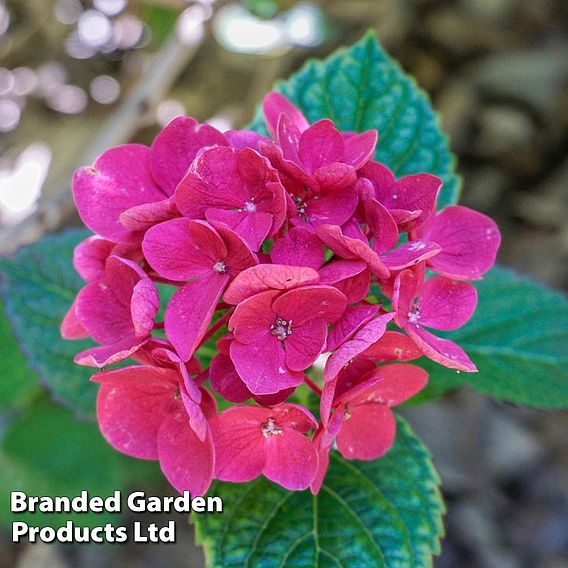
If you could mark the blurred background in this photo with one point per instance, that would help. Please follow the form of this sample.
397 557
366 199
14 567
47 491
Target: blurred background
79 76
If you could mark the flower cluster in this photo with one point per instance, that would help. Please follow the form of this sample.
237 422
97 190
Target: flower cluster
310 263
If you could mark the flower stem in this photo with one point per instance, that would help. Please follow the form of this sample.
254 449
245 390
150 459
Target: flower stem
312 385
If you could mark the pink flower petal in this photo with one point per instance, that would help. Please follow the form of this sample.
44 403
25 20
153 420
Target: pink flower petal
181 249
299 247
244 139
89 257
187 462
268 277
252 227
118 180
132 403
335 177
226 381
240 452
175 148
443 351
190 310
262 366
351 249
359 149
252 319
446 304
368 433
304 344
382 226
273 105
469 242
310 302
398 382
109 354
320 145
351 320
322 450
142 217
393 345
410 254
71 327
365 336
291 460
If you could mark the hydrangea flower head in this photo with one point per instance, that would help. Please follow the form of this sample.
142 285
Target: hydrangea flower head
283 264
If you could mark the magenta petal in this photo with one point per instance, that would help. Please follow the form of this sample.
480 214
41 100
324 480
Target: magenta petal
244 139
382 226
144 306
398 383
252 319
410 254
89 257
142 217
103 314
351 320
131 405
322 450
443 351
268 277
252 227
305 344
335 177
446 304
71 327
337 270
361 340
181 249
368 433
273 105
404 292
320 145
299 247
240 452
108 354
310 302
351 249
226 381
190 310
262 366
175 148
469 242
359 149
118 180
186 461
291 460
393 345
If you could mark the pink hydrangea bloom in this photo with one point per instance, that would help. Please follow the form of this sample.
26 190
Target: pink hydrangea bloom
284 262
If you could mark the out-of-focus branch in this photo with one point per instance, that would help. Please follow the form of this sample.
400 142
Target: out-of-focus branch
163 70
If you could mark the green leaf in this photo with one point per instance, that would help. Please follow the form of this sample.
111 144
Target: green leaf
518 338
18 384
386 512
38 284
361 88
46 451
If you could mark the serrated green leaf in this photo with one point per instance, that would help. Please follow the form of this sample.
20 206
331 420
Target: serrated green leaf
518 338
38 284
46 451
361 88
18 383
387 512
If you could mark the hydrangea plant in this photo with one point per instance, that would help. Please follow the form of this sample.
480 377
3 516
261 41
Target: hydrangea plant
272 293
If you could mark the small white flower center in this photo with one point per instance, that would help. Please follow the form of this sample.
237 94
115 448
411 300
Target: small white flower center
270 429
250 207
220 267
281 329
414 317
